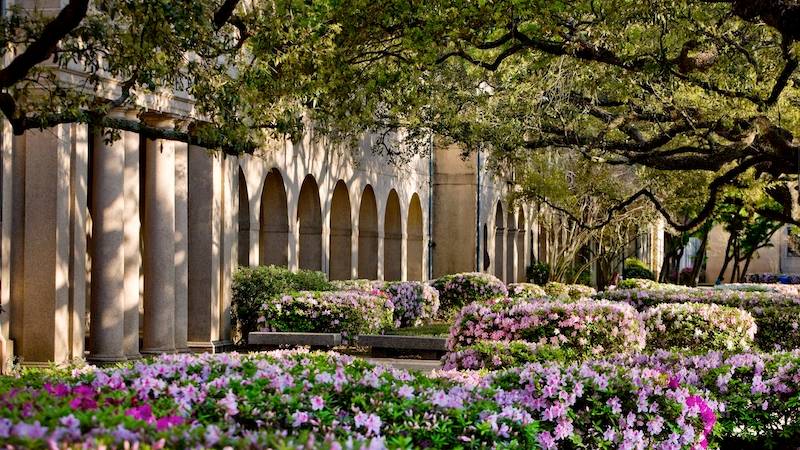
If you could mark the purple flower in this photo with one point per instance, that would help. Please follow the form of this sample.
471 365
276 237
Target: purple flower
317 403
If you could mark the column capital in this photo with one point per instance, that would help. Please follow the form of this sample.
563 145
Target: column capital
159 120
124 113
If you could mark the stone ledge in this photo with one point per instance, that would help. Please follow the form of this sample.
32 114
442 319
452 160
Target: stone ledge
395 342
290 338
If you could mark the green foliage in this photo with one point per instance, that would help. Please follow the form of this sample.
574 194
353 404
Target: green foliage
495 355
457 290
253 286
538 273
347 312
699 328
636 268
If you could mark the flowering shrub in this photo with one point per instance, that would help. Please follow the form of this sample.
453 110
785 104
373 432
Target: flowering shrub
347 312
583 328
568 291
460 289
775 313
358 285
785 289
525 291
758 394
253 286
639 283
279 398
494 355
785 278
698 327
414 302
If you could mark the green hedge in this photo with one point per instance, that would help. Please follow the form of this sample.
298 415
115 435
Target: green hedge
253 286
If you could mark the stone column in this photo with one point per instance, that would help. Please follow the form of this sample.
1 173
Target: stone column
404 253
131 241
45 317
181 247
6 213
230 187
14 234
354 249
159 245
79 220
205 209
381 251
108 256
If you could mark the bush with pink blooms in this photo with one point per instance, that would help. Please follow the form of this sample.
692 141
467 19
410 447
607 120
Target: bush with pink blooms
757 394
699 327
584 328
525 291
415 303
777 314
348 312
495 355
325 400
460 289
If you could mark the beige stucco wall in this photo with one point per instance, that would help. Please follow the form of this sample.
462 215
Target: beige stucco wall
766 260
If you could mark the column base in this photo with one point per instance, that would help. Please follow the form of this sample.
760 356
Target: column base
182 350
133 356
157 351
210 347
105 359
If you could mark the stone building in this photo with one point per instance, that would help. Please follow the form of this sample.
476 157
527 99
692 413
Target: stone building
113 249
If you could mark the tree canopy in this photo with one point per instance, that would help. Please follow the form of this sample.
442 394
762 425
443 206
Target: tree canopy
703 93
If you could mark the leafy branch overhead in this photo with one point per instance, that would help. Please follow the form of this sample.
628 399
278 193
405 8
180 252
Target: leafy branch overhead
677 87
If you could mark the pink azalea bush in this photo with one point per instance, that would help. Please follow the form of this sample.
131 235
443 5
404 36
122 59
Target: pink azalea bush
756 395
526 291
348 312
461 289
568 291
495 355
785 278
777 314
699 327
415 303
296 399
584 327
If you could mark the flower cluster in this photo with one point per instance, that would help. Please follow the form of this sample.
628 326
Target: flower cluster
252 286
525 291
699 327
584 327
348 312
568 291
414 302
461 289
777 314
757 394
280 399
360 284
494 355
785 278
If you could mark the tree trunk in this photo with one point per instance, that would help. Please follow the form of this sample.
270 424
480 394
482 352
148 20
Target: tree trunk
726 261
699 257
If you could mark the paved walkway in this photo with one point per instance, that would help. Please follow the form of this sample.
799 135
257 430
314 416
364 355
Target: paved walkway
422 365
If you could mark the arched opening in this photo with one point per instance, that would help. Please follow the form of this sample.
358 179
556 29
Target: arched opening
341 234
498 242
368 235
273 238
511 239
392 239
414 248
243 248
309 218
521 246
